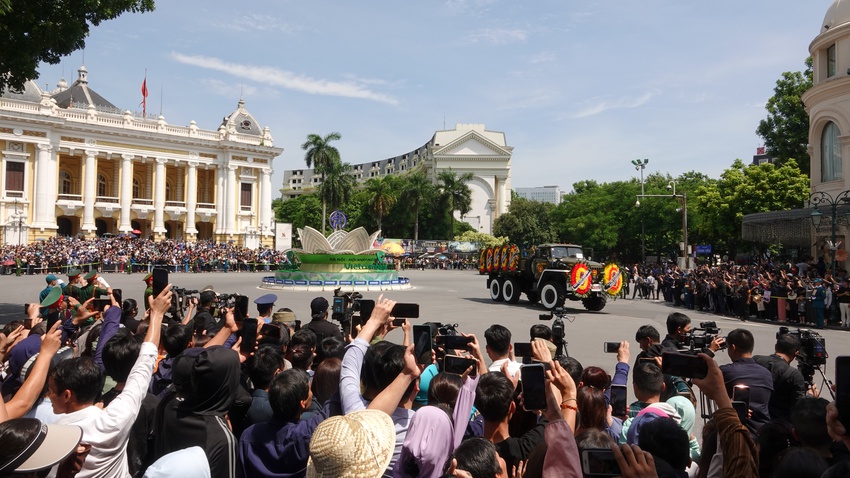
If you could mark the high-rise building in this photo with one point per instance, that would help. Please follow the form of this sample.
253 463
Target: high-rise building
550 194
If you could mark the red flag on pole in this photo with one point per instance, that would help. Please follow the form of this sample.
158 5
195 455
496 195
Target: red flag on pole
145 96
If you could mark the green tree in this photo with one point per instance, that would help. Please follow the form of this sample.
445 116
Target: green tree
744 190
785 131
416 189
300 211
381 196
337 187
483 239
320 155
457 193
35 31
527 222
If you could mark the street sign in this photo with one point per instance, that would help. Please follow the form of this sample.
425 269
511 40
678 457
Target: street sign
704 250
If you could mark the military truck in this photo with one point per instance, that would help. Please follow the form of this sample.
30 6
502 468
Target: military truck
549 274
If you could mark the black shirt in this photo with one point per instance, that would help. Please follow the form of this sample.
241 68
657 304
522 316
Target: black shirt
323 329
747 372
788 385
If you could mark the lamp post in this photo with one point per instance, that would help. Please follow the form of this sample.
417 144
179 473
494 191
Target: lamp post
671 186
640 165
821 199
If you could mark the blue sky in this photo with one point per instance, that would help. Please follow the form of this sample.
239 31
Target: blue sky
579 87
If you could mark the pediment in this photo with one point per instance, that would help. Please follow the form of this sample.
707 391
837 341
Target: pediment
472 144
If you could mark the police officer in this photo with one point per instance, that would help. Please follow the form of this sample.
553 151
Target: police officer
265 306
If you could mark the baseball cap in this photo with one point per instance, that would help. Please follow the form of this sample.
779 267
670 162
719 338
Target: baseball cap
34 445
51 278
319 304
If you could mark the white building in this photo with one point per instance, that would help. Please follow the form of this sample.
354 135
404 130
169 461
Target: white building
467 148
74 164
550 194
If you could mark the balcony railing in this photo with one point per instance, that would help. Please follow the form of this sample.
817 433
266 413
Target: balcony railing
205 205
70 197
106 199
175 204
142 202
14 194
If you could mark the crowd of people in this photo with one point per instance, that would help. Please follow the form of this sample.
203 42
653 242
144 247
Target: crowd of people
805 292
122 390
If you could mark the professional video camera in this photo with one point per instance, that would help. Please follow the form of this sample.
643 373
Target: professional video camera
344 307
700 338
180 298
227 301
812 352
558 330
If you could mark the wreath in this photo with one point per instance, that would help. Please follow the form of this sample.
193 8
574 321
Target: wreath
612 279
580 279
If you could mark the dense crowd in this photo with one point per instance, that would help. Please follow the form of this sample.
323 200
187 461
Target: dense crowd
119 253
804 292
110 391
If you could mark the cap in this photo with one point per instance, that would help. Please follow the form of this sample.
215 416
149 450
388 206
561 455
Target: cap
209 287
51 278
74 273
282 317
370 441
35 446
268 299
52 297
319 304
148 277
207 297
91 275
818 280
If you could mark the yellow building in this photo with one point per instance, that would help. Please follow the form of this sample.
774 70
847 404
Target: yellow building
75 165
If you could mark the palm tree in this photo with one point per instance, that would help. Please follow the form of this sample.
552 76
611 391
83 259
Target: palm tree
416 190
381 196
320 156
338 185
456 192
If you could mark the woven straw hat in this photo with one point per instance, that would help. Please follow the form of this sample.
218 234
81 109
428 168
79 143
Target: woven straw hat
357 445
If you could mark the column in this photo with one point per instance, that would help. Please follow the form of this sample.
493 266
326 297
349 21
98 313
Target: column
159 197
44 203
221 209
90 191
266 201
191 197
126 198
232 208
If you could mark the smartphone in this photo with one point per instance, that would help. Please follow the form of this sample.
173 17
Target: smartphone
612 347
646 360
533 378
742 409
523 349
683 365
457 364
599 462
160 280
26 310
241 309
270 331
408 311
100 304
118 296
422 345
619 400
453 342
842 389
741 393
366 308
398 322
249 335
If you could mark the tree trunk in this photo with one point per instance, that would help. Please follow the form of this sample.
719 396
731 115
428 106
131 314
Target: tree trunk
416 225
324 207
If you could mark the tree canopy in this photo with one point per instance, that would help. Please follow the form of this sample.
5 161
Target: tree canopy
785 131
35 31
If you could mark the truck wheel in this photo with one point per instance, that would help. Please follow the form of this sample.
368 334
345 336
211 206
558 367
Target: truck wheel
496 289
594 304
552 295
511 290
532 297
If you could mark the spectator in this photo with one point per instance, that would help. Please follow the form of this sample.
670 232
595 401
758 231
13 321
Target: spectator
499 348
368 451
789 386
263 366
320 325
745 371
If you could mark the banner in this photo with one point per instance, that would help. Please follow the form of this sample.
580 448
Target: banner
283 236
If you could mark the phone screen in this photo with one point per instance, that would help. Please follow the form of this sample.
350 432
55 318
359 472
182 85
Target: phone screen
270 330
619 400
241 307
454 342
533 386
842 389
160 280
742 409
741 393
366 308
683 365
422 346
456 364
408 311
523 349
599 462
100 304
249 335
118 295
612 347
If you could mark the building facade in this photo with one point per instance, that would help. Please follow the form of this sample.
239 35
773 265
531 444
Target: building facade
75 165
550 194
468 148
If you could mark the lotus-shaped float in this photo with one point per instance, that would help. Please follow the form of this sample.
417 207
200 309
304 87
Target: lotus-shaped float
341 251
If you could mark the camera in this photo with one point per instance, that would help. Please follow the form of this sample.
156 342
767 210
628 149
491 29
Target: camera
700 338
180 301
812 352
558 330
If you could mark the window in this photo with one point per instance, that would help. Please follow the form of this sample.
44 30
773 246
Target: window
102 186
14 176
136 188
168 191
830 61
245 198
65 183
830 153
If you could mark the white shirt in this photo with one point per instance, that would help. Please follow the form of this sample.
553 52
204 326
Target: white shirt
513 367
107 430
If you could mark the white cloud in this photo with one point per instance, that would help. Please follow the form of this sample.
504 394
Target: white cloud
256 22
497 36
542 57
602 105
276 77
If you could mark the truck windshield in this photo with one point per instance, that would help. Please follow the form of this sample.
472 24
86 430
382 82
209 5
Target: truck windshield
567 252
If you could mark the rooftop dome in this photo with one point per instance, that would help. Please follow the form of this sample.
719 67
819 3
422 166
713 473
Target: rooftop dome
80 92
838 14
31 92
240 121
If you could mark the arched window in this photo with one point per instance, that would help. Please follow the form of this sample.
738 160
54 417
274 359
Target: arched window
168 191
102 186
136 188
830 149
65 183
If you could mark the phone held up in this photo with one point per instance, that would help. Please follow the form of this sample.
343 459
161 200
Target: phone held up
683 365
422 345
533 386
842 390
599 462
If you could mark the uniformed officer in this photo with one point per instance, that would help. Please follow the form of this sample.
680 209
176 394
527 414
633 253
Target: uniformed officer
73 282
90 290
148 280
265 306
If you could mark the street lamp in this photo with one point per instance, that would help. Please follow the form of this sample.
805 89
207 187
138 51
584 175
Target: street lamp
821 199
671 186
640 165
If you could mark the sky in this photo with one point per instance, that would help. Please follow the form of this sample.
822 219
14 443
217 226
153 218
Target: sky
579 87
